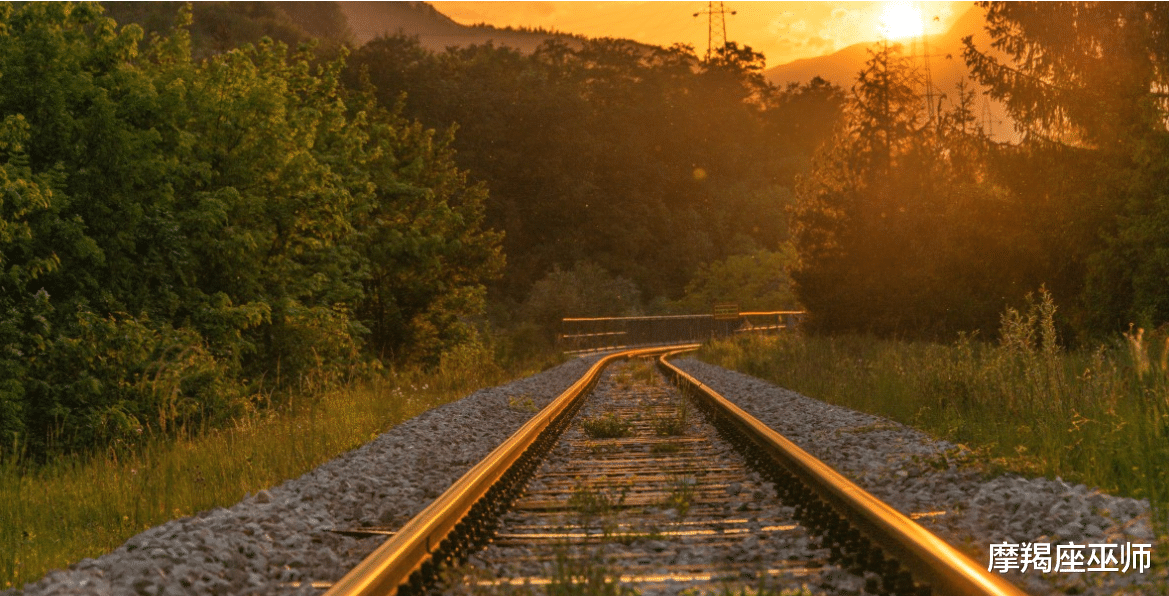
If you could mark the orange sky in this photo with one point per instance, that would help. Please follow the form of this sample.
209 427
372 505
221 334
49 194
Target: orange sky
783 31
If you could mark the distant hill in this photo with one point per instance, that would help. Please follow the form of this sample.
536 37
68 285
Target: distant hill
842 66
435 30
217 27
945 60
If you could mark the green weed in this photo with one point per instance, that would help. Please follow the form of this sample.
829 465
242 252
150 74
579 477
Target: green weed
591 503
674 425
681 495
84 506
666 447
583 576
522 403
606 426
1025 404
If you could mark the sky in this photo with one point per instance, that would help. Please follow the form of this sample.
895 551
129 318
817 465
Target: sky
783 31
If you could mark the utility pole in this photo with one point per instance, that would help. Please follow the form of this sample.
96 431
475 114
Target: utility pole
716 27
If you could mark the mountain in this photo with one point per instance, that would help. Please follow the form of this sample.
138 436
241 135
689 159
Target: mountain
946 67
435 30
841 67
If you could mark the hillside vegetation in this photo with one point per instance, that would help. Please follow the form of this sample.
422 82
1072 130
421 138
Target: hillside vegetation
197 213
177 235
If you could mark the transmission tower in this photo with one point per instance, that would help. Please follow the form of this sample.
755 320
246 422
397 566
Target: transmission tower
716 28
931 94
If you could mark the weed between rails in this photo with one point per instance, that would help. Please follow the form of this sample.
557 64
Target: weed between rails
667 447
681 495
606 426
673 425
591 503
583 576
638 372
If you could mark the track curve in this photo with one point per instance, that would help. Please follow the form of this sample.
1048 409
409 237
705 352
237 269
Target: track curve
892 553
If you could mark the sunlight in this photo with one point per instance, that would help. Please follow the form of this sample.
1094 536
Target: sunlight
900 20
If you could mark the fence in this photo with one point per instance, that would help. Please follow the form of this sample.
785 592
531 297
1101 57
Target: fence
610 333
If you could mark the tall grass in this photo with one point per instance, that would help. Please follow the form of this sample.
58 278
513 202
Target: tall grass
1098 417
83 506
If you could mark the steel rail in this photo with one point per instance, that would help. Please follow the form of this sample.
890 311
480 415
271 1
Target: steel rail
390 566
930 559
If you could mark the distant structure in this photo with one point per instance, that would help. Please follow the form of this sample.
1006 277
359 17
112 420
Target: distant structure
716 27
933 97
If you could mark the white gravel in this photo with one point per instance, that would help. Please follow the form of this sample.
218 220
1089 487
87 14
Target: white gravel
917 474
281 535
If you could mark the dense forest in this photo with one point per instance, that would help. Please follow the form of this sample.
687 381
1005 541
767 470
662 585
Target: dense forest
206 202
918 226
178 233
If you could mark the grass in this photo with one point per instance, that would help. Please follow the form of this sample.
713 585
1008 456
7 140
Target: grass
606 426
1098 417
591 503
673 425
639 371
665 447
584 576
522 403
681 495
79 507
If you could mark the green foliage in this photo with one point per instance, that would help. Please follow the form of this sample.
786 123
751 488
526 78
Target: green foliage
756 282
1085 83
1098 417
176 234
110 379
586 290
898 230
645 161
218 27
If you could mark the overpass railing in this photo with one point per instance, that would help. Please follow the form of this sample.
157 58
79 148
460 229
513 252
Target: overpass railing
611 333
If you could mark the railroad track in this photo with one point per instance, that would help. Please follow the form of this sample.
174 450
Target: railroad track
648 487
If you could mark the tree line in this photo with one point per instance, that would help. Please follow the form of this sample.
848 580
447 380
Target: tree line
193 213
646 162
919 226
177 234
226 200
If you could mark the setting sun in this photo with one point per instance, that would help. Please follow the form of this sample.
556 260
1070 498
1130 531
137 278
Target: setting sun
900 20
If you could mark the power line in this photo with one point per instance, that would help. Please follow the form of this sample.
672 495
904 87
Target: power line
716 25
930 92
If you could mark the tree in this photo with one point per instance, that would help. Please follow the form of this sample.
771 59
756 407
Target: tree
1086 82
897 228
646 161
757 281
586 290
174 232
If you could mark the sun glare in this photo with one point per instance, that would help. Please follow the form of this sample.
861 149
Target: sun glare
900 20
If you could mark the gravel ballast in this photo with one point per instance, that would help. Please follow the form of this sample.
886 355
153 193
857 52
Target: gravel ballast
283 535
917 474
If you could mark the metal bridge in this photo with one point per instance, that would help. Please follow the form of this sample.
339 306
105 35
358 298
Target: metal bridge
611 333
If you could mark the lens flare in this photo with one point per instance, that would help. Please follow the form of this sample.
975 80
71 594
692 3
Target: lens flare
900 20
